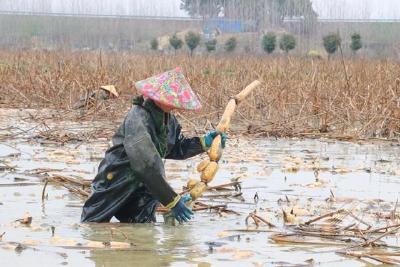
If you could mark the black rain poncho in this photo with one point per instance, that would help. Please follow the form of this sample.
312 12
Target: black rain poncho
131 177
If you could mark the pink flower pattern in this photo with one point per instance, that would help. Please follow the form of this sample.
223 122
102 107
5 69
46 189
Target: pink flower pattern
170 88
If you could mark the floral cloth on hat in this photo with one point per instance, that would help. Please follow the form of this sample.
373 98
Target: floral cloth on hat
170 88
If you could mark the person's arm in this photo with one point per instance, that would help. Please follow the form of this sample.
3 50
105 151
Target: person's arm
184 147
144 159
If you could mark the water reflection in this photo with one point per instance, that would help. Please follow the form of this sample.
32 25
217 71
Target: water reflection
153 245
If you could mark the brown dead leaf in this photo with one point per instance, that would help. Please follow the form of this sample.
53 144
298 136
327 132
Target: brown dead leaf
223 234
296 210
242 254
289 218
73 161
291 168
225 249
9 246
294 160
94 244
341 199
204 264
299 239
59 152
114 244
31 242
236 253
341 170
318 183
27 219
58 241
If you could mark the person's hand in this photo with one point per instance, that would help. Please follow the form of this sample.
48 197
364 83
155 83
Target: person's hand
186 198
209 138
181 212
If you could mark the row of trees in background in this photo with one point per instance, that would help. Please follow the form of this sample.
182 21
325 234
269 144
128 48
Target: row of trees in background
333 41
287 42
192 41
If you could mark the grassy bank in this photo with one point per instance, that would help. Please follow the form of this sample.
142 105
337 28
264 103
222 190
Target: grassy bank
298 97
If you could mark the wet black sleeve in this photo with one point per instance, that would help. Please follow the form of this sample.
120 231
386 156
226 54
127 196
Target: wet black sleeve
184 147
144 159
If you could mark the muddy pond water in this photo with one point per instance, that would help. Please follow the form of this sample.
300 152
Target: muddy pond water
279 172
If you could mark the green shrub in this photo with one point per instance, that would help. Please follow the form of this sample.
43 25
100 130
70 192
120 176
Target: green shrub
154 44
230 44
269 42
287 42
175 42
192 41
356 43
211 45
331 42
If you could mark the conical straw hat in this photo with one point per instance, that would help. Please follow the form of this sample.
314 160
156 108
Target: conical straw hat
111 89
170 88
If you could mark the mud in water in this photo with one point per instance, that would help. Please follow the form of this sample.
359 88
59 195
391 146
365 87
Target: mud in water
275 175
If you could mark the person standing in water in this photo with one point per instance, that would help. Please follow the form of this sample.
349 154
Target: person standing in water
131 180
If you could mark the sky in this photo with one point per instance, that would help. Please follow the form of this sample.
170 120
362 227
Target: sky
327 9
97 7
358 9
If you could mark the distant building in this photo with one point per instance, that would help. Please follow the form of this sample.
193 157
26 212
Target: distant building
223 25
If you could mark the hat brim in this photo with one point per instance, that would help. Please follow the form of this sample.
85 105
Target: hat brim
170 88
111 89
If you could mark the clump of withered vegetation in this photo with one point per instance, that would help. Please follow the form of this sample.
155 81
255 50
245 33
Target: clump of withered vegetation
356 98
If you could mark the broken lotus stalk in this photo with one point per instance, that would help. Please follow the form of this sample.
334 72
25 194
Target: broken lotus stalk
209 168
